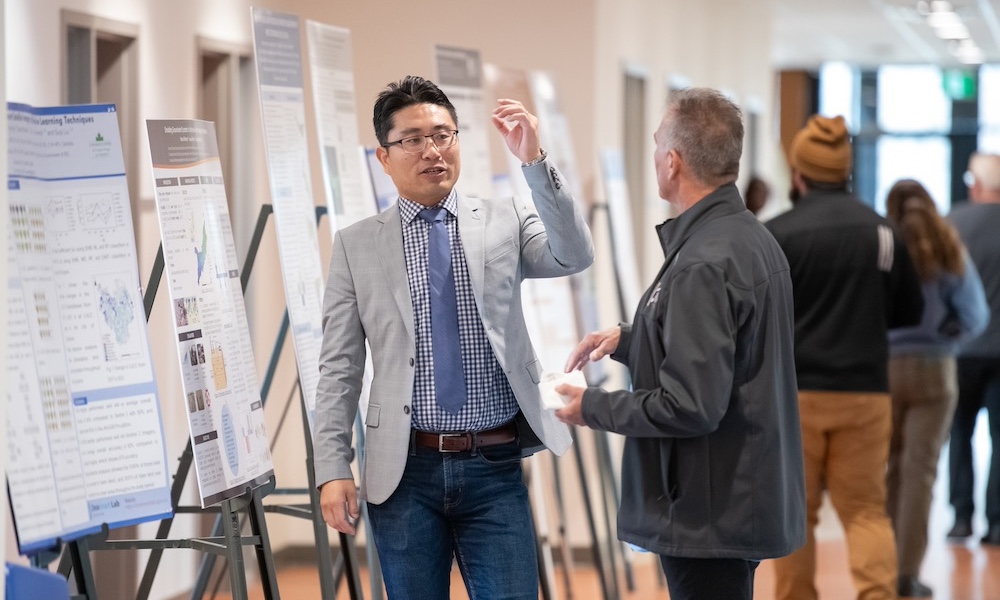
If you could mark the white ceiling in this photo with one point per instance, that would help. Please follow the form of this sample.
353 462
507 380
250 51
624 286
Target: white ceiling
872 32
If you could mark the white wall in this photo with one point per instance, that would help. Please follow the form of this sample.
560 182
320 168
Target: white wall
583 43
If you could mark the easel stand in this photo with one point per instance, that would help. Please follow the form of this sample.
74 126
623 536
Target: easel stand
230 543
611 479
73 556
330 572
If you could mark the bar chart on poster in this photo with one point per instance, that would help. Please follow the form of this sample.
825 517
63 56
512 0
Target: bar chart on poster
85 435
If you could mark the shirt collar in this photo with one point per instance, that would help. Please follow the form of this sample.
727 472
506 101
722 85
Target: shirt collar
408 209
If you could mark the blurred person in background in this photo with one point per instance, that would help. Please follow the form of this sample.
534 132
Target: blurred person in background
978 224
756 194
853 281
922 376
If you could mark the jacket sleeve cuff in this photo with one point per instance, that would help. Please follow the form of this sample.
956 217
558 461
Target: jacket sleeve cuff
621 352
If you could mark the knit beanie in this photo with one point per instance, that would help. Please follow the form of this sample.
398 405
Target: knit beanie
821 151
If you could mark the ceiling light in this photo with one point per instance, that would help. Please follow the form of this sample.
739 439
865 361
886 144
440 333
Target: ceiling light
943 19
966 51
957 32
971 58
941 6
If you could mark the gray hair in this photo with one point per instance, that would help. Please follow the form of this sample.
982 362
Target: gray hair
986 169
705 128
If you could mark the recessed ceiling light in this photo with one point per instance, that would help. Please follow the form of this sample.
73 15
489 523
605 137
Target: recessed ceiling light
957 32
943 19
941 6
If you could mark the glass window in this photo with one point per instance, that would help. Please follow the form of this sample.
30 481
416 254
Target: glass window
989 109
926 159
911 99
838 93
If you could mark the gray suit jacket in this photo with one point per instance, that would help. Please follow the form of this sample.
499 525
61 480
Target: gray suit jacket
367 297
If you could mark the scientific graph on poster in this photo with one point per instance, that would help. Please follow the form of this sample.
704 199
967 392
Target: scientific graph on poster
85 434
218 373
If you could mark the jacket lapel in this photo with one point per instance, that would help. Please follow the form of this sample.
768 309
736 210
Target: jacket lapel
389 246
472 228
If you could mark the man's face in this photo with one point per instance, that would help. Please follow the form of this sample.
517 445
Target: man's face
428 176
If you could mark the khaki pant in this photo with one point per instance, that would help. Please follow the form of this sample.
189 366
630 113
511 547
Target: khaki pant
845 439
924 394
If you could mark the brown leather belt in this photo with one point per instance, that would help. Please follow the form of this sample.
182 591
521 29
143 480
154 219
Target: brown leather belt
467 440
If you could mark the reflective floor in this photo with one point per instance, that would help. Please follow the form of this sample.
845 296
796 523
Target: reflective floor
969 571
959 572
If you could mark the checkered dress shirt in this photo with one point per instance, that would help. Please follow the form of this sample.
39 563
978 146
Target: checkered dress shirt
491 402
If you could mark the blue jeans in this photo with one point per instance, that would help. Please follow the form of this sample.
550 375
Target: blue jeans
473 507
709 578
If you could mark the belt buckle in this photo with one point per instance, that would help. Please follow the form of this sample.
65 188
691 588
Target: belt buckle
442 436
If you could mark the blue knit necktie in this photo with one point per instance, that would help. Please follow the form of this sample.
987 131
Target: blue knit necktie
449 377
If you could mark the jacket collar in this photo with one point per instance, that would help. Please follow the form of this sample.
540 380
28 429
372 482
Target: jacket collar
724 201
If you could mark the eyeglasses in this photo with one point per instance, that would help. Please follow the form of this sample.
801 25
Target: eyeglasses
969 178
414 145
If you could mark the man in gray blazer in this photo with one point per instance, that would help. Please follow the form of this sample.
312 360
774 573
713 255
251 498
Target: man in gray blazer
452 409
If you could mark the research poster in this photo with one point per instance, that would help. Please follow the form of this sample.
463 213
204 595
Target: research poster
221 393
85 434
550 307
558 141
277 52
348 190
620 224
460 76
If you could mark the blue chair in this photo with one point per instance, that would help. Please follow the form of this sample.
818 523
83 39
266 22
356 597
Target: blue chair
26 583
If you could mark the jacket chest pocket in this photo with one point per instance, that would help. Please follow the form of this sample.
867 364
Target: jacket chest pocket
499 250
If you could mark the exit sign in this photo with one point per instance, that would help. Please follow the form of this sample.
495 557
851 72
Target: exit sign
959 84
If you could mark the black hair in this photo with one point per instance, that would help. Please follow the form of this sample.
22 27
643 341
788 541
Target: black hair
398 95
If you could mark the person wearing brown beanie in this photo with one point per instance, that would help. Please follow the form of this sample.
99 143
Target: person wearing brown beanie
853 280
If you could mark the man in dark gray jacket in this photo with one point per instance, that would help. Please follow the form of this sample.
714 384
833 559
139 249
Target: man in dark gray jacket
712 477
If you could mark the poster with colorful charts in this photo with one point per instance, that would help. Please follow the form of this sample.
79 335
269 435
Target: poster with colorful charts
221 391
278 54
84 430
